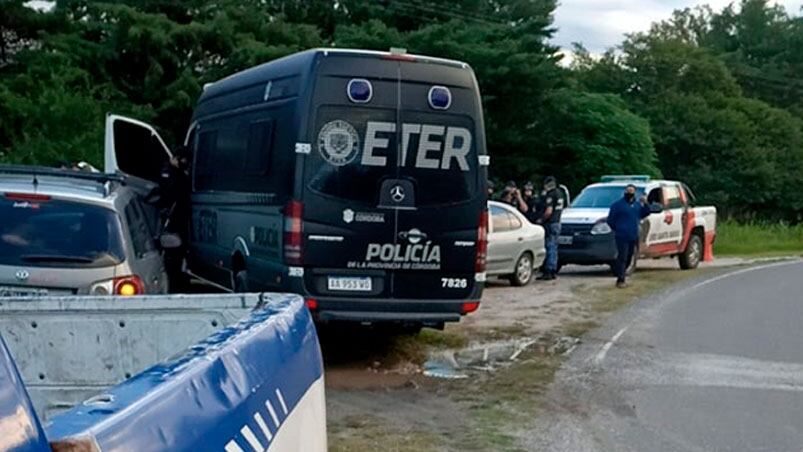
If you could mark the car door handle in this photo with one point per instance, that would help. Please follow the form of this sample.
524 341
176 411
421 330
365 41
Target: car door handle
521 239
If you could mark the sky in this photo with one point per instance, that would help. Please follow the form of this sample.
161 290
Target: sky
600 24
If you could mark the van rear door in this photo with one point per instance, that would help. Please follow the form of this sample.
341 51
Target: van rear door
135 148
438 161
393 190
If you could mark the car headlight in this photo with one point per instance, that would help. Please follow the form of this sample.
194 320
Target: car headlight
601 228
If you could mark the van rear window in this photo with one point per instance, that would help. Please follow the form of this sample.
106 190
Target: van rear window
356 149
56 233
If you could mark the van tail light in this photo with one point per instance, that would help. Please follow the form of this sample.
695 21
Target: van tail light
469 307
293 237
127 286
312 304
482 243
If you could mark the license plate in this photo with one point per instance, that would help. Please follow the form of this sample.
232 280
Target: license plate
11 291
350 284
565 240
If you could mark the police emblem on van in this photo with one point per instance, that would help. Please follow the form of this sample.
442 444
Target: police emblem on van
338 142
348 215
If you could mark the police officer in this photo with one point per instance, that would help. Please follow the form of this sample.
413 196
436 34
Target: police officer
624 218
512 196
550 219
535 203
175 203
491 192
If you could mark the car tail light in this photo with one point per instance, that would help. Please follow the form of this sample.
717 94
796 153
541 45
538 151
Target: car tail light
469 307
128 285
293 237
27 197
312 304
482 243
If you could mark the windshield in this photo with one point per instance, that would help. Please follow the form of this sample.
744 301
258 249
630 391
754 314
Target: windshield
602 197
58 234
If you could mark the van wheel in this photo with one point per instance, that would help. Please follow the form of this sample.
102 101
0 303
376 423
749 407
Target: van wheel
524 271
691 257
241 281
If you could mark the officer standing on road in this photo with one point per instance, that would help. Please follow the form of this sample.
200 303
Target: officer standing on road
512 196
624 218
553 202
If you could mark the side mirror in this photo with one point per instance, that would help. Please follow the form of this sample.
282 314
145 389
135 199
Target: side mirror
169 241
656 208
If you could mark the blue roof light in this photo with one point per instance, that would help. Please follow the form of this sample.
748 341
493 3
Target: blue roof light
440 98
360 90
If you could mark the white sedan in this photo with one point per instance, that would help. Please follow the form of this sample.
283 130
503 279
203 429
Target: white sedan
515 246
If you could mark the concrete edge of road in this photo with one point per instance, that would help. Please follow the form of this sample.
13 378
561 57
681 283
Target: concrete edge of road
615 326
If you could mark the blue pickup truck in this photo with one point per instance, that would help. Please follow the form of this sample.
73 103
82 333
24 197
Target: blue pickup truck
231 373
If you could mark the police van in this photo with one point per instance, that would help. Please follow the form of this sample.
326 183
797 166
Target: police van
354 178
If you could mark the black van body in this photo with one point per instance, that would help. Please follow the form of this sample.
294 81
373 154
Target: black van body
302 183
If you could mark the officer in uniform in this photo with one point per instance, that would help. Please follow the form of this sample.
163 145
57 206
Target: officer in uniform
535 203
175 205
550 219
512 196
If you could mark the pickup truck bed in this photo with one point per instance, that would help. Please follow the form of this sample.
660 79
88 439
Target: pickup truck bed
178 373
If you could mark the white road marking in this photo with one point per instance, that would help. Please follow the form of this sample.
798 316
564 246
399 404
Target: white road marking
252 439
739 272
232 446
604 350
281 401
263 426
600 356
272 413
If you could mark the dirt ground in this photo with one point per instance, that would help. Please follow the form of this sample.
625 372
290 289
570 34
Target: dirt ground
490 369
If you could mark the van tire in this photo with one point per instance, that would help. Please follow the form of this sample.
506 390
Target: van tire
523 272
241 281
692 255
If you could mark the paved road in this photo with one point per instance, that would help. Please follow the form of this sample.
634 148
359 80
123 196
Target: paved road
715 366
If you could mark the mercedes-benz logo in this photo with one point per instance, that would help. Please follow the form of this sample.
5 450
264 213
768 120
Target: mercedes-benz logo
397 193
22 275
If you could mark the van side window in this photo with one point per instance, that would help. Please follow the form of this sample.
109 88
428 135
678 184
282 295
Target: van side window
235 156
260 144
141 237
205 159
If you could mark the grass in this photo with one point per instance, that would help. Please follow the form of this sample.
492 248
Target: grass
758 239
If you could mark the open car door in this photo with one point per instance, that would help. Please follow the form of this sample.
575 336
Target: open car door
135 148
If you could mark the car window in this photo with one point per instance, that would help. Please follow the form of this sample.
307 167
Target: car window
500 219
515 223
55 233
672 195
141 237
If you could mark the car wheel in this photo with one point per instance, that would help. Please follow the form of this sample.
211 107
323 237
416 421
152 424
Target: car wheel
524 270
241 281
693 254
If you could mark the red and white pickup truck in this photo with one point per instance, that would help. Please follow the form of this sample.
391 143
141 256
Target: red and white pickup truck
681 228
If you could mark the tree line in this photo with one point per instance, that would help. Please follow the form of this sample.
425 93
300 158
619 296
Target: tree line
713 98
